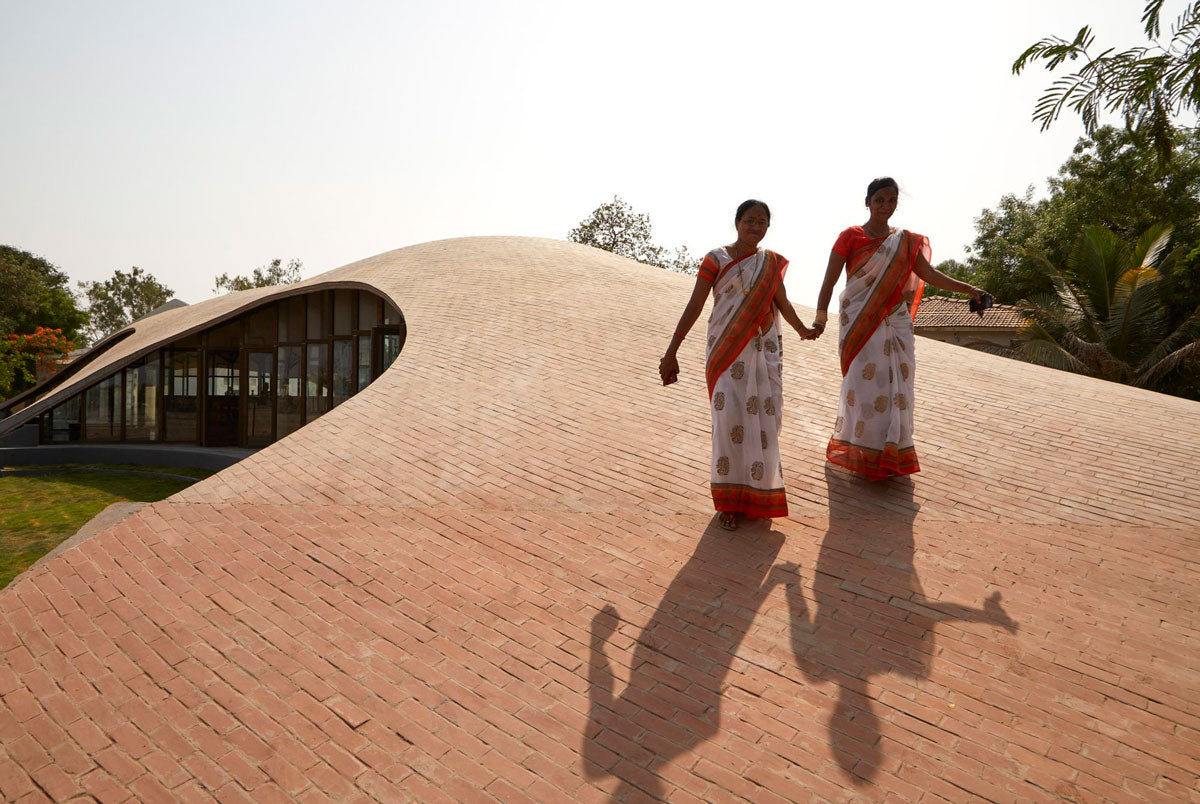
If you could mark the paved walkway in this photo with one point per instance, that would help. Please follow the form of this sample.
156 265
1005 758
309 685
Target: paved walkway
494 576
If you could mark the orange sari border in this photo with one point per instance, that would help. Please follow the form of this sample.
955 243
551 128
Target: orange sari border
754 314
738 499
888 292
891 461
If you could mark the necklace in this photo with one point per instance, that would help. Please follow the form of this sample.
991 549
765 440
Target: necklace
740 262
887 230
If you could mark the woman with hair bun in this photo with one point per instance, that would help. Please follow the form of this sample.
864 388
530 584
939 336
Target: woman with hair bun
744 367
886 271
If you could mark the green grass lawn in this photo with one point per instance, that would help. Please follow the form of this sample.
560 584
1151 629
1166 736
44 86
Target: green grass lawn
39 511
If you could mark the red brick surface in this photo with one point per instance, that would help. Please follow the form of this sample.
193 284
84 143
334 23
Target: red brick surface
493 576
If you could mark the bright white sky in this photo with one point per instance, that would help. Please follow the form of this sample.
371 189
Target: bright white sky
193 139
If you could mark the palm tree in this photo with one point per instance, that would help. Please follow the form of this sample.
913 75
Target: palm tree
1105 318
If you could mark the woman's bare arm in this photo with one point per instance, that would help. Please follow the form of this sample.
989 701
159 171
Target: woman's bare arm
669 364
940 280
833 272
789 313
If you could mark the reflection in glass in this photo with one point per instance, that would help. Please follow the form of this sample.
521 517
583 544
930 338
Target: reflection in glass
64 421
141 401
316 381
343 370
223 375
181 384
287 387
259 420
364 361
102 409
391 348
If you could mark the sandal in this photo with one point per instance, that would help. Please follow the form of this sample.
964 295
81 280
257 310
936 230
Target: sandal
728 520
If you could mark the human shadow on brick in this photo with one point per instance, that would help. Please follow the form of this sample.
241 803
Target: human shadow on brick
680 660
872 616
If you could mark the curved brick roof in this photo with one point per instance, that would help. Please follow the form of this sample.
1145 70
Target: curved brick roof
493 575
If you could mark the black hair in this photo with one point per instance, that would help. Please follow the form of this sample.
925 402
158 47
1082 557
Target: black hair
879 184
744 207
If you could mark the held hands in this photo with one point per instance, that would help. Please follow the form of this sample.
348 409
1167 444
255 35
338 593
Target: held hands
808 333
818 326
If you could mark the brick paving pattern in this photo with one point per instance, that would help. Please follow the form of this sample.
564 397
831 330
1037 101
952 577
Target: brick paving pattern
494 576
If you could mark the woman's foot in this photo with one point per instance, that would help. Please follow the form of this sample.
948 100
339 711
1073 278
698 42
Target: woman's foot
728 520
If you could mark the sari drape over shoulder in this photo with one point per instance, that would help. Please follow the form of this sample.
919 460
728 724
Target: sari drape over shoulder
873 433
744 372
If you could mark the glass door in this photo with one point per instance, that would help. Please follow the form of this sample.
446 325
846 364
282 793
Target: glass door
259 418
223 399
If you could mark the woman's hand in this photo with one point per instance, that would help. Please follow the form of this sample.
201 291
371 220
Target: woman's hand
806 333
668 367
819 321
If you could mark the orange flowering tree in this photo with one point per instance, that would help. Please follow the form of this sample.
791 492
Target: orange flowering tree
25 356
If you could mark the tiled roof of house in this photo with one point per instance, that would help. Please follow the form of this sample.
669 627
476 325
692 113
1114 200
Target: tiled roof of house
494 575
944 311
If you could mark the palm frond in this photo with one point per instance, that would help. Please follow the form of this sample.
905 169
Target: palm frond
1095 262
1055 50
1183 357
1150 18
1040 347
1152 245
1074 303
1171 352
1048 310
1138 318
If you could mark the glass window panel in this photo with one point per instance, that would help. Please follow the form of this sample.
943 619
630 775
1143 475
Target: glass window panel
368 310
318 323
141 401
260 366
291 319
343 307
181 384
316 381
103 409
343 370
391 348
227 336
287 388
390 314
64 421
261 327
223 375
364 361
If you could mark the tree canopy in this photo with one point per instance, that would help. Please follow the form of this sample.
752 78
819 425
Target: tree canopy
614 226
273 273
36 293
1110 180
1149 85
117 302
26 357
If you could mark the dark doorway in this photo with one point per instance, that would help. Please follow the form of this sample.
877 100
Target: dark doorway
223 386
259 416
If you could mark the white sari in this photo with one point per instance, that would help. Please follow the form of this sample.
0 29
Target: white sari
744 368
873 433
